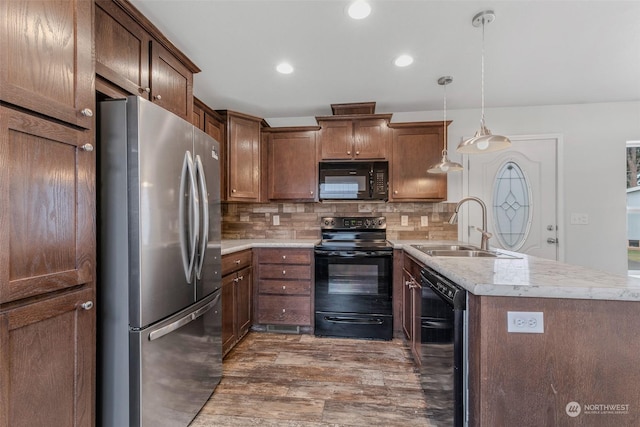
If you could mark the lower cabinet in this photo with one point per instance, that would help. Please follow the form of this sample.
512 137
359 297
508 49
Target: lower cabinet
412 306
236 298
47 353
284 287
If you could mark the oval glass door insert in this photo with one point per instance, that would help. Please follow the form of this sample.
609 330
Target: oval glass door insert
511 206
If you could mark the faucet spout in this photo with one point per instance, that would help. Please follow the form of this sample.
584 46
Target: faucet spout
484 243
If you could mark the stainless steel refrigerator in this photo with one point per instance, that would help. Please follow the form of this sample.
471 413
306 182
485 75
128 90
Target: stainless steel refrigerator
159 324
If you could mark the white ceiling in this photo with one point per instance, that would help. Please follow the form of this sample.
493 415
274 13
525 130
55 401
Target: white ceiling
536 53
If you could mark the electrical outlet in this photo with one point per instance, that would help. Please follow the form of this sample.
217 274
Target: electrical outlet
404 220
526 322
424 221
276 220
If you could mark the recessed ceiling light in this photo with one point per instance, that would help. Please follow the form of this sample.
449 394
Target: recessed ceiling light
359 9
403 60
284 68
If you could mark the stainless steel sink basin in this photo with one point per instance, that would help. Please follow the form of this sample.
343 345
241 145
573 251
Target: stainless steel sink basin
460 251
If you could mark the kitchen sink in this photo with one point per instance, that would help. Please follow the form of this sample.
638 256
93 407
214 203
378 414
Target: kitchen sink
460 251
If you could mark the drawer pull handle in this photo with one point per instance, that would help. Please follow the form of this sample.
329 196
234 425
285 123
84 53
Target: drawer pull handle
240 278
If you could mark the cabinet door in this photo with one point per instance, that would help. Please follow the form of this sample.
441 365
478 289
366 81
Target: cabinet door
414 149
214 127
46 62
243 301
336 139
171 82
197 117
293 168
47 206
243 159
228 312
47 362
406 305
371 139
122 49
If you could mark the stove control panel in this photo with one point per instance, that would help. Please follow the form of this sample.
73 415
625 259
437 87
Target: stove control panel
353 223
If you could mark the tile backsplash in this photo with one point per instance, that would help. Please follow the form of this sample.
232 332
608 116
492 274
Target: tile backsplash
302 220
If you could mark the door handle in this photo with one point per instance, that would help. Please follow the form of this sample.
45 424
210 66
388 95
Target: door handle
552 241
181 219
204 239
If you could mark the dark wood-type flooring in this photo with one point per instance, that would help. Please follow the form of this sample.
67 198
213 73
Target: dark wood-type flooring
305 381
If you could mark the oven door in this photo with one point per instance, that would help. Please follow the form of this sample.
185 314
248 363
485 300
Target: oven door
353 281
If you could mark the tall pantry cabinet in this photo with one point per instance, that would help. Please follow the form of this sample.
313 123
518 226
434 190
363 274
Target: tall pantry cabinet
47 213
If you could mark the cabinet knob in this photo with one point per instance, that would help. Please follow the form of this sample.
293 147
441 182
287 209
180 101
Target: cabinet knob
284 310
284 257
158 97
87 112
87 147
284 272
357 153
237 261
88 305
284 287
240 278
395 192
349 152
233 191
311 192
147 89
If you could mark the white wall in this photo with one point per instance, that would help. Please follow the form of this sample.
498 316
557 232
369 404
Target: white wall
593 168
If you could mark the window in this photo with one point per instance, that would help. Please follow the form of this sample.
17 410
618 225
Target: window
511 206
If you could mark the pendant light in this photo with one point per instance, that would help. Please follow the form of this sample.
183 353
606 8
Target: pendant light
483 141
445 165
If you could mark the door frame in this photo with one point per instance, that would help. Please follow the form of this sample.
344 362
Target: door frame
560 219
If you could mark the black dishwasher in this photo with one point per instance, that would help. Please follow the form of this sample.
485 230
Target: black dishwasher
442 333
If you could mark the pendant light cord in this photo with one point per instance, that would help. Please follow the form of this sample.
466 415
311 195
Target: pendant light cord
482 75
444 121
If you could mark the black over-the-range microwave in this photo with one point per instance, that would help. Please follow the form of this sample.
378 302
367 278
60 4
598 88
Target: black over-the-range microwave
354 181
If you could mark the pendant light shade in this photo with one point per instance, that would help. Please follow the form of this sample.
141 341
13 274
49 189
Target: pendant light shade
483 141
445 165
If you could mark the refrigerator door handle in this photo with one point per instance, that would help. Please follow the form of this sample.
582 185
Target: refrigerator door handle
194 217
204 239
188 249
159 333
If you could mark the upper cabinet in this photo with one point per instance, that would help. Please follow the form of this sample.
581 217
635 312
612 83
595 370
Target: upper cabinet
46 56
292 163
358 137
132 54
242 157
415 146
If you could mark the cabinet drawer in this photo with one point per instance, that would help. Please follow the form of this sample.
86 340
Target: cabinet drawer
284 271
285 310
285 256
235 261
285 287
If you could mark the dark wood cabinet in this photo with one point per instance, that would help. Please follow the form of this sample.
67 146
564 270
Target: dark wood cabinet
46 52
132 54
284 287
242 157
415 147
354 138
236 298
292 164
47 353
412 306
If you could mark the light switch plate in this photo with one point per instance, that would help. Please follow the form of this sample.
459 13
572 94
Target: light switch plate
579 219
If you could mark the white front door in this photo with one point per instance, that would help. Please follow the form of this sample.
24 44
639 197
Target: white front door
520 188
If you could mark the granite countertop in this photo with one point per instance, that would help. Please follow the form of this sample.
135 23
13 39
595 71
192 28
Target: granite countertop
526 276
523 276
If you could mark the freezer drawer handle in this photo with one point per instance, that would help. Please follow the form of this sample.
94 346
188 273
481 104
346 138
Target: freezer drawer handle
159 333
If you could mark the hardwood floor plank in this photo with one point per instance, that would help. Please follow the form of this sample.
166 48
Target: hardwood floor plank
289 380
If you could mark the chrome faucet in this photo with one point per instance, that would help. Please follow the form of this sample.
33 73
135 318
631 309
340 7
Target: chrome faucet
484 244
